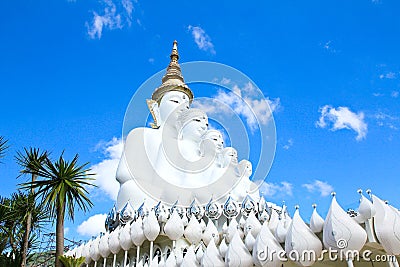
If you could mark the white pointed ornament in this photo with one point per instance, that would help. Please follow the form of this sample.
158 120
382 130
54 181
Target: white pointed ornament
104 250
179 256
151 227
341 232
281 231
300 239
249 239
212 257
232 230
211 232
189 260
137 235
238 255
387 226
94 249
136 232
174 227
253 223
200 252
264 244
86 252
78 252
366 208
125 237
193 231
171 260
113 241
316 221
273 221
223 247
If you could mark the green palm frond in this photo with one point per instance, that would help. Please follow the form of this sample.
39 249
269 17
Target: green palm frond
30 158
3 146
64 184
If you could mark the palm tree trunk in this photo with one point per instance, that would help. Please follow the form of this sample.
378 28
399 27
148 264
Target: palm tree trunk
60 233
24 251
28 228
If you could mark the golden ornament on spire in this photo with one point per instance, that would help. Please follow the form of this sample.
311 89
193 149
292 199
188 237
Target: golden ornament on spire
173 79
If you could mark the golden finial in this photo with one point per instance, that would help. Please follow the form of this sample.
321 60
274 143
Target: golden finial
174 54
173 79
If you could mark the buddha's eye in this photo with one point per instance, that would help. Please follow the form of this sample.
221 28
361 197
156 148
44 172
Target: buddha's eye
198 120
215 139
175 101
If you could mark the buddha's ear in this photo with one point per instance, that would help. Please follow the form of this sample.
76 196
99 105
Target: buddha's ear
155 113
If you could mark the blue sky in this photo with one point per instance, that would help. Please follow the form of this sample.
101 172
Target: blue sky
66 81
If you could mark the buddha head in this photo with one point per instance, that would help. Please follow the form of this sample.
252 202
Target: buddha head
230 156
215 137
173 95
192 124
246 168
171 104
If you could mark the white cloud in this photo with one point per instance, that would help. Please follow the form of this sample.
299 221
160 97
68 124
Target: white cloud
289 144
111 17
377 94
201 38
389 75
274 190
318 186
395 94
106 169
128 6
343 118
66 231
92 226
246 101
384 119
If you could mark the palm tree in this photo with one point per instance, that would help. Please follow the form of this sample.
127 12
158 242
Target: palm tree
64 185
13 214
28 160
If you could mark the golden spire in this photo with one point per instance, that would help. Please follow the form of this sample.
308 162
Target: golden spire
173 79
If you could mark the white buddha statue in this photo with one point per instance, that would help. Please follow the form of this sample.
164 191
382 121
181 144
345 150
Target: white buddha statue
142 144
212 147
245 186
179 159
192 124
174 160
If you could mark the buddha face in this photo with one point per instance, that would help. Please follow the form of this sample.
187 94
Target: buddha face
215 137
195 128
171 104
248 168
230 155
